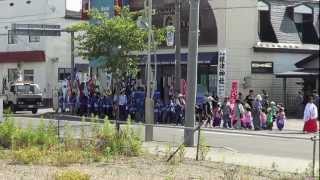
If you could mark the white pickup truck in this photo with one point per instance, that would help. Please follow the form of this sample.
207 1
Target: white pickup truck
23 96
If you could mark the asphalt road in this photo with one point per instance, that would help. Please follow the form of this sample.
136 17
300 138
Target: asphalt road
246 143
298 146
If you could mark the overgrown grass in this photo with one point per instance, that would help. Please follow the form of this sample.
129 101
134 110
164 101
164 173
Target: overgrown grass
203 148
7 129
178 158
40 144
31 155
71 175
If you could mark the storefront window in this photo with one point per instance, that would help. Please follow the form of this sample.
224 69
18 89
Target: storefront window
64 73
12 75
28 75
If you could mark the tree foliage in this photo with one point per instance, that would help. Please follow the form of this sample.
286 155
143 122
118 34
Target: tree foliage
111 41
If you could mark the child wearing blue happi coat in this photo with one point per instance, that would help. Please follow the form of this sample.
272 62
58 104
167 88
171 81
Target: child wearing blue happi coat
90 105
83 100
96 99
60 102
72 102
171 116
157 111
107 102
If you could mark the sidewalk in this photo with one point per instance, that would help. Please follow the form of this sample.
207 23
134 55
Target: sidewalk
294 124
229 156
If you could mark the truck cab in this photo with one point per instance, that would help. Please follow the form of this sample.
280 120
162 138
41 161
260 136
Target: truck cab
23 96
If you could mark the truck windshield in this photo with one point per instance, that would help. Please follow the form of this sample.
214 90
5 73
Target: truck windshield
28 89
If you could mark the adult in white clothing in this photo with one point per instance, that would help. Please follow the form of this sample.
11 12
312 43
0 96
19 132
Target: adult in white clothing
310 117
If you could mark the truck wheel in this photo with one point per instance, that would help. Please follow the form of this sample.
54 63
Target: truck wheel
34 111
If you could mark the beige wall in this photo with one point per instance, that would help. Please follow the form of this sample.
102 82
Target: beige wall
237 22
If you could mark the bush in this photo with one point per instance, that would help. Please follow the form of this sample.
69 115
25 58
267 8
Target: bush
105 136
41 145
42 136
32 155
109 142
7 129
71 175
4 154
126 142
23 138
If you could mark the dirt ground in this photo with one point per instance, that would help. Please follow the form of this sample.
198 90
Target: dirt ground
143 168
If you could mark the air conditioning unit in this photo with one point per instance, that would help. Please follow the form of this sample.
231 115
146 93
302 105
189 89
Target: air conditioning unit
54 60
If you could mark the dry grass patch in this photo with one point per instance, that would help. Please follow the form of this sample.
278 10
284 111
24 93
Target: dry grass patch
71 175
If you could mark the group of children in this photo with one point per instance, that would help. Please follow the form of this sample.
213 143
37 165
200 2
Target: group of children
86 105
239 115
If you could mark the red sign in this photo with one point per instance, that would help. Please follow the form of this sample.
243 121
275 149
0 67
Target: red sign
183 85
234 91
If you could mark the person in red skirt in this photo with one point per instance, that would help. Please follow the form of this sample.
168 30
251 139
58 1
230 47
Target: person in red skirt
310 117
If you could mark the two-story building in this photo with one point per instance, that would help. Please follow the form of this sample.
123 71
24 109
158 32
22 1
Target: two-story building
44 60
262 38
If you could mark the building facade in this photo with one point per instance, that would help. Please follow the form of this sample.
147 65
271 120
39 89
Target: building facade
45 60
261 38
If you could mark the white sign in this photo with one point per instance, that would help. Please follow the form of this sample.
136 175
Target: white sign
221 70
36 29
170 35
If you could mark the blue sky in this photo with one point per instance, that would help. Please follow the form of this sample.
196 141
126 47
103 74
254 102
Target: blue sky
74 5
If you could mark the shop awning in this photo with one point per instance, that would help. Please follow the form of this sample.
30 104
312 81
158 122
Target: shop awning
22 56
203 58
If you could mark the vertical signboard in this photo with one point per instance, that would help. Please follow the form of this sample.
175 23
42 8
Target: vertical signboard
221 70
170 35
106 6
234 91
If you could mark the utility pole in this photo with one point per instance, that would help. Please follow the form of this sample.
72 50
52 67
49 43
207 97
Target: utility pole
72 57
1 109
149 104
178 47
192 72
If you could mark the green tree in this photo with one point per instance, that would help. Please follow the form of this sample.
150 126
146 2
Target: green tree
110 42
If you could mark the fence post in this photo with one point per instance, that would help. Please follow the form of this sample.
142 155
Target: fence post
314 139
198 143
58 126
1 109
